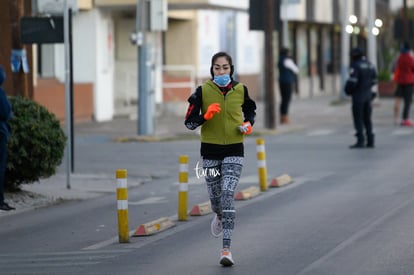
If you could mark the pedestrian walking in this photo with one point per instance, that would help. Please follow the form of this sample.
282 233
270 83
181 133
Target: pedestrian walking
5 114
362 77
287 77
225 112
405 81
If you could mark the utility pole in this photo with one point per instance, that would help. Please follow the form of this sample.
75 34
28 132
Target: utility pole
21 80
344 47
145 104
372 42
270 121
372 39
285 23
405 21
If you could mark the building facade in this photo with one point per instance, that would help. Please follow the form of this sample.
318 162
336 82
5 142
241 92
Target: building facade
105 60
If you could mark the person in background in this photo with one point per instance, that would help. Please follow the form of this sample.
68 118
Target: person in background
363 76
5 115
397 93
226 113
405 81
287 77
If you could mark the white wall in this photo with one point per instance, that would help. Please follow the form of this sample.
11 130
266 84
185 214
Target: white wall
249 43
94 58
126 67
323 11
208 40
59 61
104 97
249 47
241 4
295 11
396 4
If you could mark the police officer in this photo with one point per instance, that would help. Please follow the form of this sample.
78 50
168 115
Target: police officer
362 77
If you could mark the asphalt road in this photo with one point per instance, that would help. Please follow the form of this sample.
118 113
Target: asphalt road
347 212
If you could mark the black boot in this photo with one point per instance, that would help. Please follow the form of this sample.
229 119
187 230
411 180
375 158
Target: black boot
371 141
359 143
4 206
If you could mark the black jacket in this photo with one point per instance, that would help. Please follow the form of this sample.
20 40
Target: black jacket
361 79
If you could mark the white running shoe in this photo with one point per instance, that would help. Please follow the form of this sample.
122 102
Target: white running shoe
216 227
226 259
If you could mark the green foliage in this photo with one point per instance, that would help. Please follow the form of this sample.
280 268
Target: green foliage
384 75
36 144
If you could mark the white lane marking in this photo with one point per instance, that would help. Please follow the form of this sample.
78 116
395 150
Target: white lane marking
193 181
250 179
150 200
320 132
402 132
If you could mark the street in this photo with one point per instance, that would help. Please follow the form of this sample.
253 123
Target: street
346 212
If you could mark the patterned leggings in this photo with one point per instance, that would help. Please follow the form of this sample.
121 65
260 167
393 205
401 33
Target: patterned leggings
222 177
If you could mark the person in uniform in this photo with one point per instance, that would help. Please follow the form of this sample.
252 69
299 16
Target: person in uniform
362 77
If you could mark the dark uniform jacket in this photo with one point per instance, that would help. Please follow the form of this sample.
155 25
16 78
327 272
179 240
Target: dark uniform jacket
362 77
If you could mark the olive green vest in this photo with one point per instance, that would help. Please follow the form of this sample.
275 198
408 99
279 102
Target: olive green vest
222 128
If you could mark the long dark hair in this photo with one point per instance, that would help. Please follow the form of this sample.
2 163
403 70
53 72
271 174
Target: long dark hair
227 57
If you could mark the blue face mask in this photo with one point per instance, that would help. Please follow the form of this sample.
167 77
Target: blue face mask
222 80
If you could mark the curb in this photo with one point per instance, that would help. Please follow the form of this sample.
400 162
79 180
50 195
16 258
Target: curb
164 223
150 228
247 193
281 181
201 209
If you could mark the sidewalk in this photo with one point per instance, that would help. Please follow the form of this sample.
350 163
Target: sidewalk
318 112
303 113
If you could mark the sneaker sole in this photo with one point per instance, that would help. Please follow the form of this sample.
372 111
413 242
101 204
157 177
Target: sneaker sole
212 231
216 236
226 262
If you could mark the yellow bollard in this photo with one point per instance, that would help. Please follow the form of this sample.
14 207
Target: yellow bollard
182 188
261 164
122 198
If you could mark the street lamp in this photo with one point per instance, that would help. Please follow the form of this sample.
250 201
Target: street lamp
377 25
352 27
353 19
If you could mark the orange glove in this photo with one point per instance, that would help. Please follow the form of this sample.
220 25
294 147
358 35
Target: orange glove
246 128
212 110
